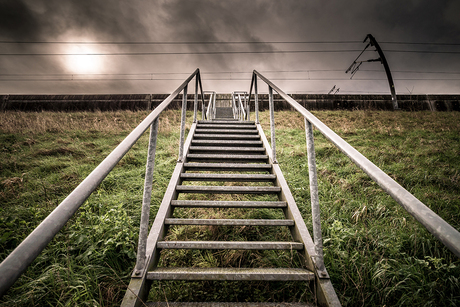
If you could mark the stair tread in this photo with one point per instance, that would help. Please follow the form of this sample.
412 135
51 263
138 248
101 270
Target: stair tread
268 274
225 126
225 142
228 177
226 156
237 167
221 148
228 204
243 122
225 304
226 131
227 136
227 189
229 222
237 245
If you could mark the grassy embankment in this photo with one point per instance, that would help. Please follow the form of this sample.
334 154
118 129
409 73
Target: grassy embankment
376 253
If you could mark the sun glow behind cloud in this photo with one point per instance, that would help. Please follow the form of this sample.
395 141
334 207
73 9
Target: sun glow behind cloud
82 60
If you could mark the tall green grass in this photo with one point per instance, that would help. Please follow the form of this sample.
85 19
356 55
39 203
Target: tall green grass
376 253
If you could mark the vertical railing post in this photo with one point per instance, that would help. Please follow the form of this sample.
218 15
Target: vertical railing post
203 107
256 99
315 211
195 102
247 106
214 105
272 122
145 214
182 125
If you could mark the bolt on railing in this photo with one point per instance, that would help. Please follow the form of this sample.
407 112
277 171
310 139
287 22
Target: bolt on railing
439 228
15 264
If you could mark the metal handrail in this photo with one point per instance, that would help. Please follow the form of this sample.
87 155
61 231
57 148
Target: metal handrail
439 228
22 256
211 109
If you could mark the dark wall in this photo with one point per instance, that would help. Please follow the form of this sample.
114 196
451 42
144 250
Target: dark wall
150 101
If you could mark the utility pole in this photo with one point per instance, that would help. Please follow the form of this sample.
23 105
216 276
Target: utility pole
354 67
383 60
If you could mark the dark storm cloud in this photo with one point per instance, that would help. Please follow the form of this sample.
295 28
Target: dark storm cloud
17 21
256 21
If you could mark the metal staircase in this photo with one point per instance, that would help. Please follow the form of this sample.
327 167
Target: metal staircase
218 154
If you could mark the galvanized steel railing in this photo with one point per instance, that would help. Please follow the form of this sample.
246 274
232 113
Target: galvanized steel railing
17 262
444 232
240 106
211 109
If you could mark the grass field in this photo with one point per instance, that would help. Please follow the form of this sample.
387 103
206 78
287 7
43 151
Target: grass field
375 252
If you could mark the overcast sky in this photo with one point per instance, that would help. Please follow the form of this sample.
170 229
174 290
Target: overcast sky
261 24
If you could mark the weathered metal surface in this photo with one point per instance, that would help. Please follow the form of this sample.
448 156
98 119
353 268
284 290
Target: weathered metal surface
224 304
145 214
240 245
272 123
227 158
226 131
17 262
226 126
227 204
229 222
315 210
227 136
237 167
227 189
246 122
444 232
227 143
266 274
228 177
234 150
138 289
182 126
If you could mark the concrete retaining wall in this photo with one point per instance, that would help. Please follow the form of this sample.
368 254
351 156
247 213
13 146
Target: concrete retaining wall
134 102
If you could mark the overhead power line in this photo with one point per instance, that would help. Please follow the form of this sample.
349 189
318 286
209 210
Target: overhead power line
176 43
221 42
216 52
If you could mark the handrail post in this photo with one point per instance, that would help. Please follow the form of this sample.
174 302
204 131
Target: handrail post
272 122
214 105
247 106
256 99
182 125
315 211
195 102
145 214
203 107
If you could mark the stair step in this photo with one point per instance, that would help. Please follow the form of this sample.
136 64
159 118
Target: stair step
226 143
245 122
227 158
237 245
225 131
236 167
238 150
229 222
266 274
227 136
227 204
226 189
228 177
225 304
226 126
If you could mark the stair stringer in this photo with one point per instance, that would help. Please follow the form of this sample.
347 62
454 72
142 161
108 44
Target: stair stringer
325 292
138 288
